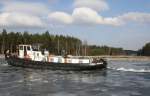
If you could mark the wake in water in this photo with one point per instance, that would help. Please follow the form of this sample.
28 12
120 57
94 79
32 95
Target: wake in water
3 62
130 66
130 70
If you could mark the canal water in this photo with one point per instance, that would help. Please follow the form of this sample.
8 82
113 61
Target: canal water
121 78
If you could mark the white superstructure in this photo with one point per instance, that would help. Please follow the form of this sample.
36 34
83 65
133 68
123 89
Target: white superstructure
27 52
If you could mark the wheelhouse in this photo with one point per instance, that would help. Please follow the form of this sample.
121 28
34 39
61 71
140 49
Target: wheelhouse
24 50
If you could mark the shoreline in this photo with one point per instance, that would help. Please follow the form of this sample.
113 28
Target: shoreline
130 58
122 58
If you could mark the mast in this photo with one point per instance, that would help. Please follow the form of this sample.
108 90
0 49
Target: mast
85 48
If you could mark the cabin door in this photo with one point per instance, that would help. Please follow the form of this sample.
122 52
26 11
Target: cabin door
25 51
21 52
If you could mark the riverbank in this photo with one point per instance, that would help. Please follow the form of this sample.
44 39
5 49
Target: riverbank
120 58
129 58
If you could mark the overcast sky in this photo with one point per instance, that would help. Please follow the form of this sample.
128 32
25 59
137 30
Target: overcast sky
117 23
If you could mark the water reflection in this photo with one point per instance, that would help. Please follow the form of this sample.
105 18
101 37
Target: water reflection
53 76
53 83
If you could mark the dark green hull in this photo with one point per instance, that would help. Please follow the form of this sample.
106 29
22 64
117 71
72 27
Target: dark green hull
14 61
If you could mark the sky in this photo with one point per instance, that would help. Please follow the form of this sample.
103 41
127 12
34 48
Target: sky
116 23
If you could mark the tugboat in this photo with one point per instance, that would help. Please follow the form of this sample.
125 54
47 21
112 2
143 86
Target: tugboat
27 57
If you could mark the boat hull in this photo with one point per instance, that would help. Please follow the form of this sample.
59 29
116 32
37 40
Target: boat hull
14 61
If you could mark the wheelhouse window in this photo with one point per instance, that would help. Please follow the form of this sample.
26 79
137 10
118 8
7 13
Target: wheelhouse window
20 47
34 48
28 47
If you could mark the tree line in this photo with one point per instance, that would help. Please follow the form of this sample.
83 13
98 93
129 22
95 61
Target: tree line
55 44
145 51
